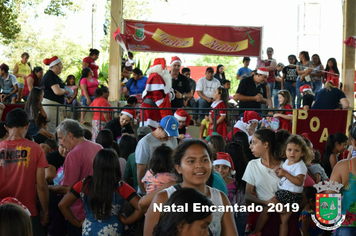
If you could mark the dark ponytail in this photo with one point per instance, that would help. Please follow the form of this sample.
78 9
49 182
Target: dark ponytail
100 90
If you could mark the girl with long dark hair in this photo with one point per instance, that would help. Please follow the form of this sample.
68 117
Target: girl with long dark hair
32 80
334 74
304 68
335 144
220 97
103 195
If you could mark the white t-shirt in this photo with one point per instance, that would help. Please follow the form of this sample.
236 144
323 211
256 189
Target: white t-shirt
208 87
296 169
263 178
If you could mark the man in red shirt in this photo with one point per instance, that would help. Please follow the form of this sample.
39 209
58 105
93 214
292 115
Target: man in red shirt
22 169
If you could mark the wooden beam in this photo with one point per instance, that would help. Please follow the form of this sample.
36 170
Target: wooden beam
115 51
348 53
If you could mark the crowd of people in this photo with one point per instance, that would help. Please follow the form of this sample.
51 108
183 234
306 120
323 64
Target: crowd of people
115 180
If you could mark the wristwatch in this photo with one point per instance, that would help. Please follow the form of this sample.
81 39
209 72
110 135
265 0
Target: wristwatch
183 96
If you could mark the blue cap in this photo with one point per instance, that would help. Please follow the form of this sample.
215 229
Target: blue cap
170 126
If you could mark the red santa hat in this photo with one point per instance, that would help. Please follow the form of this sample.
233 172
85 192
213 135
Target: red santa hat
250 116
51 61
304 88
129 112
262 71
182 115
175 59
224 158
160 61
13 200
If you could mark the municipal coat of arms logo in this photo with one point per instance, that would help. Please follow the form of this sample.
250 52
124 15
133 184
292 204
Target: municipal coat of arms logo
328 206
139 32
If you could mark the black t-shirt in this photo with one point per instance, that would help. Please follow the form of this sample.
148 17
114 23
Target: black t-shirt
115 127
48 80
182 85
291 74
308 100
325 99
277 84
55 159
217 76
248 87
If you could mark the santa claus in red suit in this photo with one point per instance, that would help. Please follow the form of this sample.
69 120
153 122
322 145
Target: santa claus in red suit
158 93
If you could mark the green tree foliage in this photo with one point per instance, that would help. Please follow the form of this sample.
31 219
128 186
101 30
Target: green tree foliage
10 10
231 64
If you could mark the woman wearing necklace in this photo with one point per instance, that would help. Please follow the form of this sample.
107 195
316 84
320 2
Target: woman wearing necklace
262 181
88 85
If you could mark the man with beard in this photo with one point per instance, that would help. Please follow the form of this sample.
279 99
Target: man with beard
158 93
180 84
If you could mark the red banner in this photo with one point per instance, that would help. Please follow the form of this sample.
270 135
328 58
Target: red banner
197 39
319 124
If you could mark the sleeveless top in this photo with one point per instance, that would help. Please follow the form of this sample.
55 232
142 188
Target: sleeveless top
24 70
215 197
349 197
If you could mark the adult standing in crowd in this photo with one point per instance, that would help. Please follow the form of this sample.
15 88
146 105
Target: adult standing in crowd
158 93
88 85
344 173
290 77
220 73
166 132
304 68
206 87
270 64
244 71
77 165
90 62
21 71
8 84
252 91
54 90
23 177
136 85
180 84
191 102
330 97
317 74
278 84
32 80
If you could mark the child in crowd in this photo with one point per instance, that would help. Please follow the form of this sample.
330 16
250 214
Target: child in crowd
285 117
34 110
307 96
220 102
334 74
52 144
184 119
292 179
316 169
70 83
306 225
103 195
335 144
204 126
160 169
100 119
216 142
225 167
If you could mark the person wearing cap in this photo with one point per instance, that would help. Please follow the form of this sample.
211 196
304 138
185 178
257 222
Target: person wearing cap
130 175
8 84
244 71
166 132
225 167
23 174
308 96
206 87
184 119
252 91
53 91
180 84
248 124
122 125
330 97
158 93
278 84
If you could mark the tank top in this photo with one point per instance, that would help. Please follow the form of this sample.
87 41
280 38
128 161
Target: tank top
23 70
215 197
349 195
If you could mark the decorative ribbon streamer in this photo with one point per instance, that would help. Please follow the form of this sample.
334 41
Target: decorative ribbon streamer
119 38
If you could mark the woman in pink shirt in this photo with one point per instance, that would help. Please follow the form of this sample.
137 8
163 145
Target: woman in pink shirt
88 84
